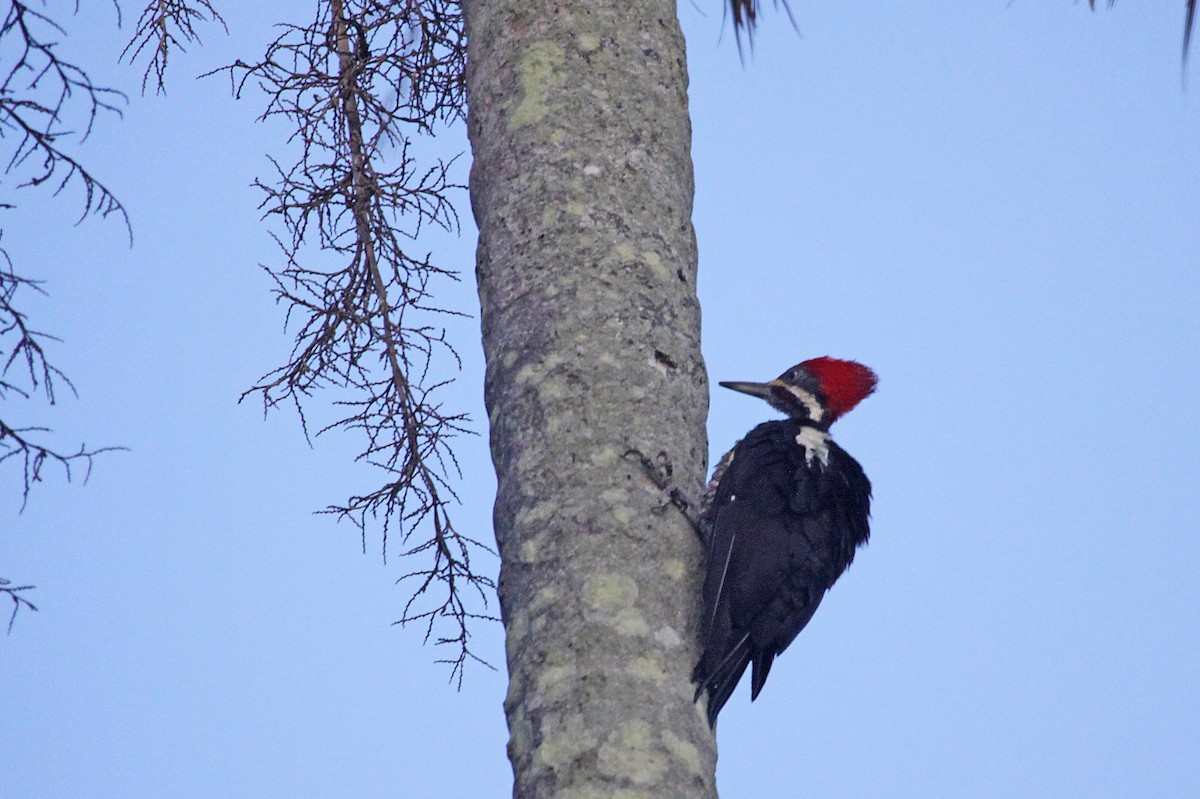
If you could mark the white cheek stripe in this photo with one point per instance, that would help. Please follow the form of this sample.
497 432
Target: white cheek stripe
815 443
815 411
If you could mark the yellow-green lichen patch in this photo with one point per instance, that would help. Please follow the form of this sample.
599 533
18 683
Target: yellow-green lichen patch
655 262
554 683
528 373
616 498
629 754
609 592
629 621
545 598
536 372
609 599
538 513
682 751
674 568
605 455
562 744
539 75
553 388
530 550
648 669
613 496
588 42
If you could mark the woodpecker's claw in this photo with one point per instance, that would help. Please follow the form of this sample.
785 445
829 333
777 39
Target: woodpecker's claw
661 474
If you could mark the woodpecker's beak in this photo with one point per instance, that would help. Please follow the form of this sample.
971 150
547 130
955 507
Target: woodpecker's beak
760 390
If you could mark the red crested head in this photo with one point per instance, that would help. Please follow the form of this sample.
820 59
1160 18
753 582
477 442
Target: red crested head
844 384
819 389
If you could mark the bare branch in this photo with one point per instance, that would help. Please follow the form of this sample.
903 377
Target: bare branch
24 373
14 593
164 26
40 96
357 84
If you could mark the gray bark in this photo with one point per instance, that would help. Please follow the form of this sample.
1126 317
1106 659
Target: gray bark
582 190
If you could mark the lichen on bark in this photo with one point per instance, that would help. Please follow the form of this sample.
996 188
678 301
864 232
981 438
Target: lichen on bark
581 186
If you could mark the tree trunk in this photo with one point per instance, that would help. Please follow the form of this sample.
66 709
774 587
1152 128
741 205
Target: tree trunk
582 191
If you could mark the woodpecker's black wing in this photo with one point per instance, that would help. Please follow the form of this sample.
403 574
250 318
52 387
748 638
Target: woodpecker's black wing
786 520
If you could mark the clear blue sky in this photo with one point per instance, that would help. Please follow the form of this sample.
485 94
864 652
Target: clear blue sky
994 205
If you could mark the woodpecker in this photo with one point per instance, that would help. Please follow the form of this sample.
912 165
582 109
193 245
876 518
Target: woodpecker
784 513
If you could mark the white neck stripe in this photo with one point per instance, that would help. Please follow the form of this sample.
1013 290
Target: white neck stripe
815 411
815 443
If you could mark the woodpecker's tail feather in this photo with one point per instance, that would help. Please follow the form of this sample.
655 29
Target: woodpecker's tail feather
758 677
719 680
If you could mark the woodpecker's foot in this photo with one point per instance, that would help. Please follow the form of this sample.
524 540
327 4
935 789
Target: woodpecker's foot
661 474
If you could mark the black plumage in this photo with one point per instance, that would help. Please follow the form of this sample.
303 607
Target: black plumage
789 509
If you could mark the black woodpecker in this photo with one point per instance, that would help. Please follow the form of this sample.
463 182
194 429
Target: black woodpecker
785 511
